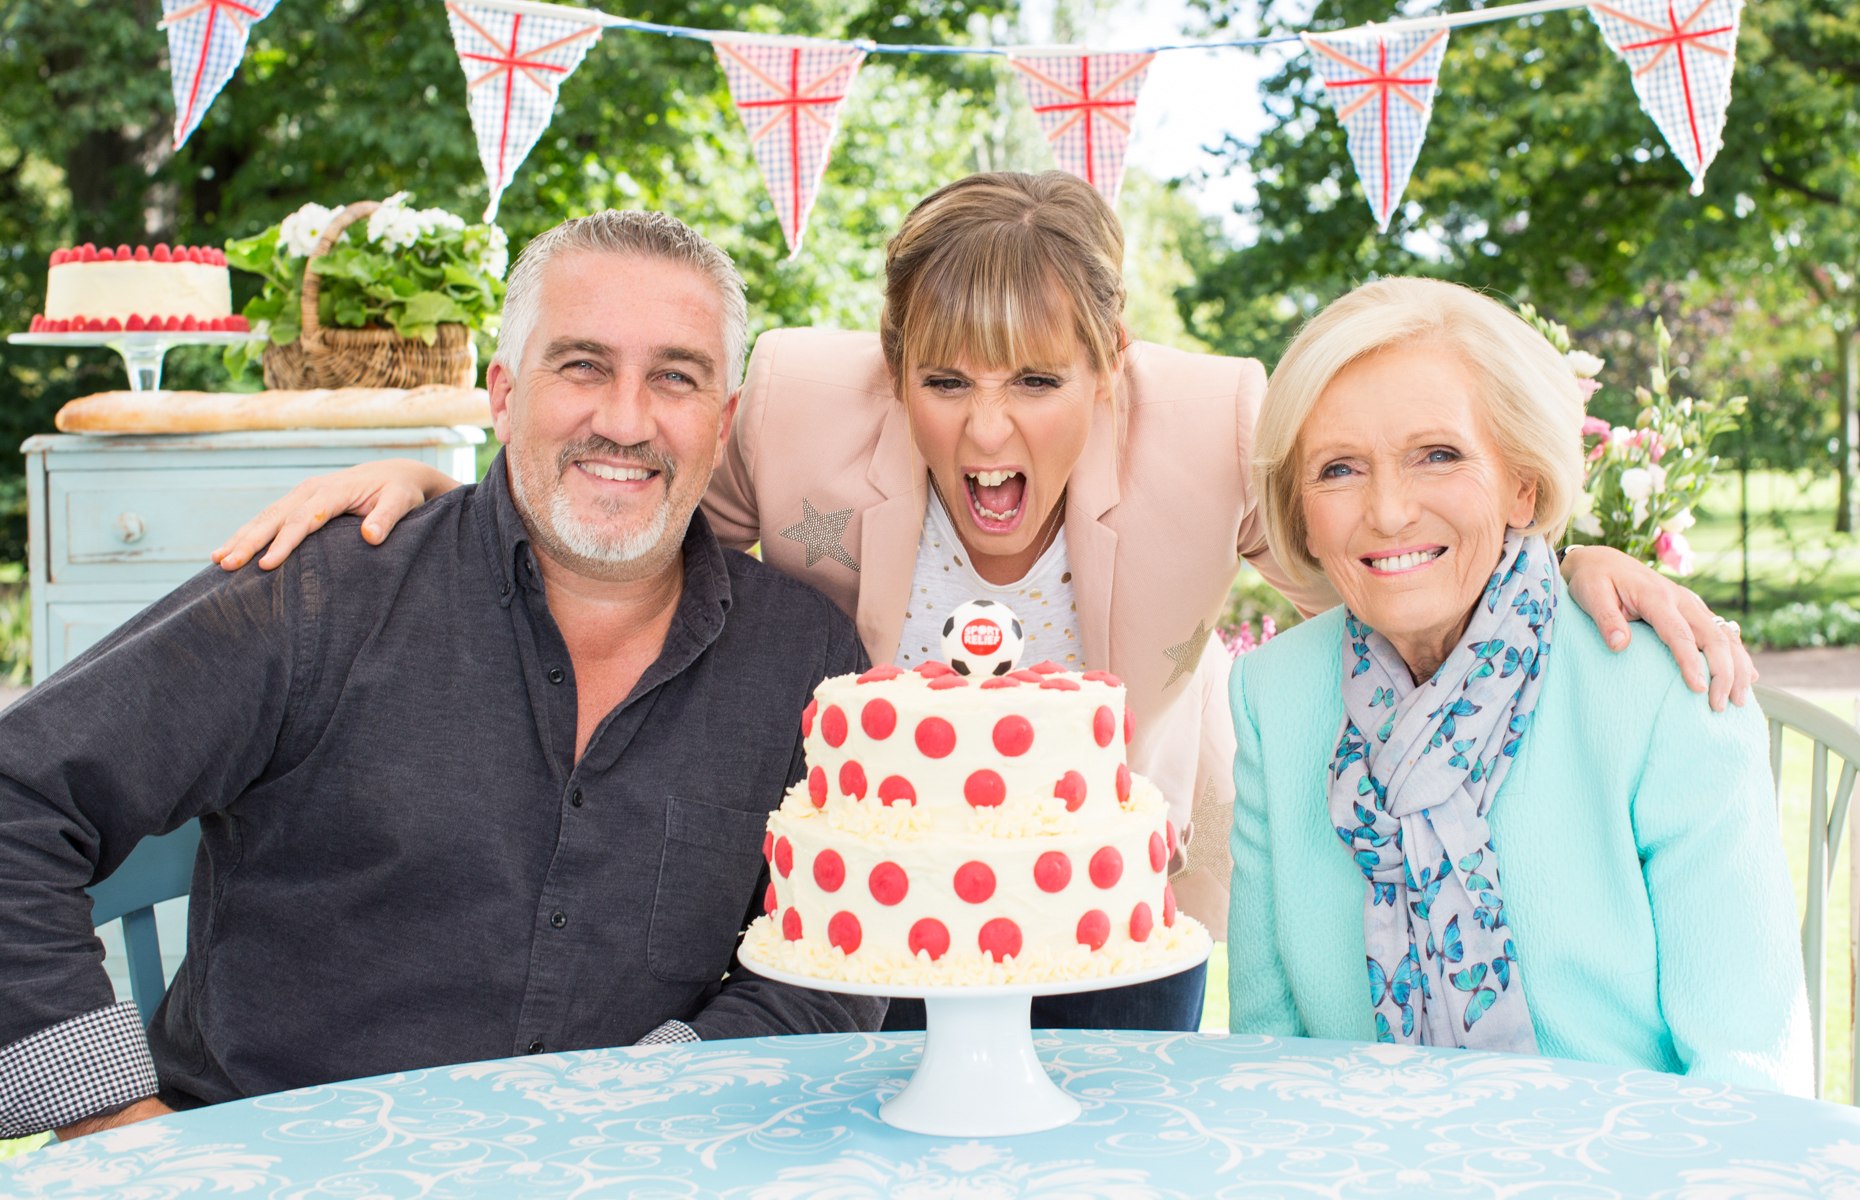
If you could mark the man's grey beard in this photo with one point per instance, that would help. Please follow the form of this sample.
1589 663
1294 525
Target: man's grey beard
563 532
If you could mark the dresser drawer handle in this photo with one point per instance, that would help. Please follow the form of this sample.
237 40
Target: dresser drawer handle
129 528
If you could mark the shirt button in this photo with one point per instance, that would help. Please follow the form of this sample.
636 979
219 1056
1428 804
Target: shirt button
503 589
555 675
575 798
535 1048
558 918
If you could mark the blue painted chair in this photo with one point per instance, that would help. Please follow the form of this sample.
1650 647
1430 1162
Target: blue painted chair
161 868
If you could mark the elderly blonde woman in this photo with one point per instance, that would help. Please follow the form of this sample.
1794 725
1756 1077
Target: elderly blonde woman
1459 820
1002 436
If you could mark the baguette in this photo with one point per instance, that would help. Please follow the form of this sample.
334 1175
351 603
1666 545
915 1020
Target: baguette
320 408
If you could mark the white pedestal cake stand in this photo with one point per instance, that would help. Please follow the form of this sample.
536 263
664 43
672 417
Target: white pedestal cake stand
979 1075
141 352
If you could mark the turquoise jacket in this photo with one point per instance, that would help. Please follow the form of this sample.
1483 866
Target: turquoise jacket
1642 866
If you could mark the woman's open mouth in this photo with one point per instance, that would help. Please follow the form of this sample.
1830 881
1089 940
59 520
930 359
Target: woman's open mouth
1403 561
997 498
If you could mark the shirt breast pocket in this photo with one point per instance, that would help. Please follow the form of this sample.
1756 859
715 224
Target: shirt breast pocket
708 869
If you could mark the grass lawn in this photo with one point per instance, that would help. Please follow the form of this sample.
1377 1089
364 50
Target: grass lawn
1794 554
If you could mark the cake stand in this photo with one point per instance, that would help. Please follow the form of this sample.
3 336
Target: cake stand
979 1075
142 352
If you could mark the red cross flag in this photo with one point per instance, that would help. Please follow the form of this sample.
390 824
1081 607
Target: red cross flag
1084 103
514 65
1382 89
789 94
206 40
1681 53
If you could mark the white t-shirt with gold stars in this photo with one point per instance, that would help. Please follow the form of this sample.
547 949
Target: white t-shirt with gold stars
1043 599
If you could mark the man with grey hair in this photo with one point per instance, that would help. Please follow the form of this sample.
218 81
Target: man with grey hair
501 791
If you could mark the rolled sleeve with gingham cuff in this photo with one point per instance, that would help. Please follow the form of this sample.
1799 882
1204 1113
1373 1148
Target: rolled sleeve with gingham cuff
669 1033
90 1064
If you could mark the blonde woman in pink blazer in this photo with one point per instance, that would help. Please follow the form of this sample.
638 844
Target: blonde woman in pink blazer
1003 436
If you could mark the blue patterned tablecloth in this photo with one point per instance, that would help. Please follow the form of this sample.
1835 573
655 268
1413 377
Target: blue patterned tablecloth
1182 1115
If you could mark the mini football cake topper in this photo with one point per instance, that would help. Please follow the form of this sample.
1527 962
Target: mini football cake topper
983 638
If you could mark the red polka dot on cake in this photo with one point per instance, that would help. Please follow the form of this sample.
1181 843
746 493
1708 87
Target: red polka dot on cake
1059 683
1046 667
935 737
1052 871
769 904
984 789
881 673
852 780
929 936
975 882
888 883
784 858
807 718
843 931
998 682
768 848
944 683
1094 929
1013 736
829 870
817 786
999 939
1159 855
833 726
1123 783
1025 675
935 670
1169 905
878 719
1103 726
791 925
1130 727
1141 922
1104 677
1071 789
1107 867
893 788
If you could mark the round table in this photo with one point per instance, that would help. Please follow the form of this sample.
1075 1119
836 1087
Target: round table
1165 1115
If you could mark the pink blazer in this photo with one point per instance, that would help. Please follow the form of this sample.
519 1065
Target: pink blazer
820 469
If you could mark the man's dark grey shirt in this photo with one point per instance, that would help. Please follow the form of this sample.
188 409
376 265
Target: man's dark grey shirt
402 862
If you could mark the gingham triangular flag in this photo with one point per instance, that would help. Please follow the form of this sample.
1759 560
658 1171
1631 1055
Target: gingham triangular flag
514 65
1682 53
789 95
1084 103
206 40
1382 88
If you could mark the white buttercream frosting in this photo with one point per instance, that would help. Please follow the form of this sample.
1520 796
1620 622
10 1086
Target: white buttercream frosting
144 289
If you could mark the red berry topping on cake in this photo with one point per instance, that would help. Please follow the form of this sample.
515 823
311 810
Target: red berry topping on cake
817 786
1107 867
975 882
171 325
929 936
998 682
1025 675
106 255
833 726
893 788
807 718
1071 789
829 870
852 780
238 324
142 254
784 857
1130 727
1052 871
87 253
58 258
843 931
1159 854
935 670
889 883
936 738
1123 783
768 900
881 673
1059 683
1104 677
878 719
1141 922
791 925
1103 726
161 253
190 324
1169 909
984 789
124 253
1094 929
999 939
1013 736
1046 667
943 683
113 325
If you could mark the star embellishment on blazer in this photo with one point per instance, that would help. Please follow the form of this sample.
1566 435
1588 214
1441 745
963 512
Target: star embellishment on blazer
1185 654
821 533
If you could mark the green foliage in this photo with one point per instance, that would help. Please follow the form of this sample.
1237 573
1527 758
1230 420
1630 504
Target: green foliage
1793 626
15 625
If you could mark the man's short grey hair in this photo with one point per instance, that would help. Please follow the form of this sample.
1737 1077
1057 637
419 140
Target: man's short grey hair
641 234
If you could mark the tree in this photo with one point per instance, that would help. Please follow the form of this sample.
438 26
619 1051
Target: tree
1542 179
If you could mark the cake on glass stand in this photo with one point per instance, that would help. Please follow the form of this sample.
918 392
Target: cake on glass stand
142 352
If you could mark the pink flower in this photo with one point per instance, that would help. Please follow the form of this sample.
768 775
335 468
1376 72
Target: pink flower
1589 388
1676 552
1593 425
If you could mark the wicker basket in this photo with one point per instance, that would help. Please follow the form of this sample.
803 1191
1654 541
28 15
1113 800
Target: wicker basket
369 357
